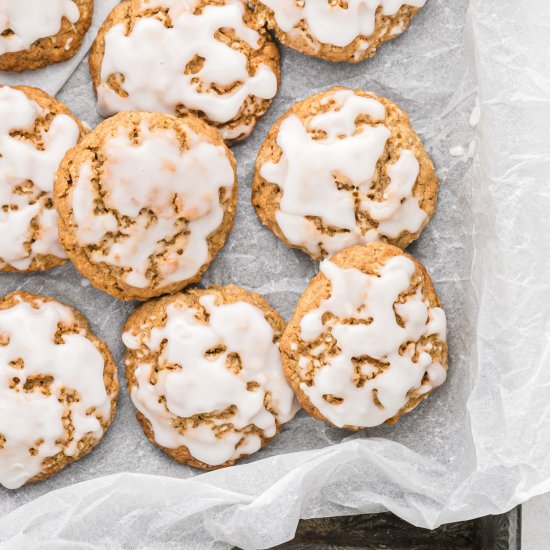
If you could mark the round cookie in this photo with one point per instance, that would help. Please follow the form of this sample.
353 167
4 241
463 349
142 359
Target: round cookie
204 372
337 30
58 388
367 342
209 58
36 33
36 131
341 168
145 202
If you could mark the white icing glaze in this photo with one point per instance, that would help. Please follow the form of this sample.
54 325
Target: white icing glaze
238 132
371 298
180 187
202 385
21 162
330 23
308 168
153 58
30 20
28 417
457 151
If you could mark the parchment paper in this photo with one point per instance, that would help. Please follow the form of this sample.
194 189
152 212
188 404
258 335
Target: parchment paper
477 446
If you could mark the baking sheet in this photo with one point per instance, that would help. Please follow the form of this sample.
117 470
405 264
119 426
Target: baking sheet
479 444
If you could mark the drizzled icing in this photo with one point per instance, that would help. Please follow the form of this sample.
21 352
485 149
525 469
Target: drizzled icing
169 198
31 419
309 168
26 179
30 20
377 348
198 384
153 60
329 22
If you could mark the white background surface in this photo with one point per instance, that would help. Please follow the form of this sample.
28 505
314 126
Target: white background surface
535 529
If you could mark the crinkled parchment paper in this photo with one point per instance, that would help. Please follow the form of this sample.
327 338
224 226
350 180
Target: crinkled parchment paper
480 444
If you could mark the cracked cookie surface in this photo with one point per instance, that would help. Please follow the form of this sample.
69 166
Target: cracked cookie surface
209 58
367 342
36 33
146 201
204 372
340 168
36 131
58 388
337 30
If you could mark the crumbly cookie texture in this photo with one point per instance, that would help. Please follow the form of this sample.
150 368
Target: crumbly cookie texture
36 131
145 202
58 388
36 33
204 372
367 342
344 167
210 58
337 30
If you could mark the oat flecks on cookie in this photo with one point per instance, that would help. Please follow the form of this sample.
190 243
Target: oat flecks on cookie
36 33
344 167
204 372
146 201
58 388
367 342
35 133
337 30
208 58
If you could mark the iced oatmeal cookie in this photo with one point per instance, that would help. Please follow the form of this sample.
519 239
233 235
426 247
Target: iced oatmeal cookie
204 372
367 342
209 58
145 202
337 30
344 167
36 33
58 388
36 131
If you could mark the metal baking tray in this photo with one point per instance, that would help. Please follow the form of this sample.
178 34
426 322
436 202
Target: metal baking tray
388 532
